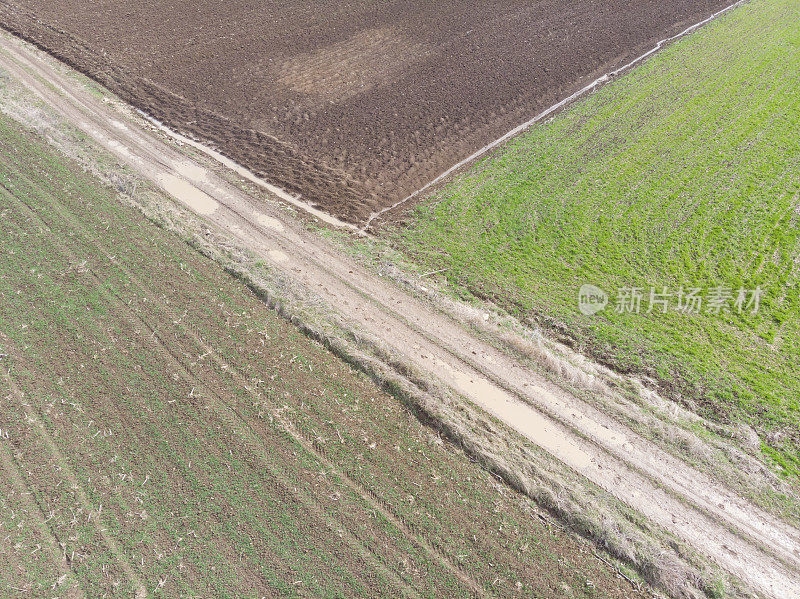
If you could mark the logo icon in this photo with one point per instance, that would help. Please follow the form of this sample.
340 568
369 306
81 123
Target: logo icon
591 299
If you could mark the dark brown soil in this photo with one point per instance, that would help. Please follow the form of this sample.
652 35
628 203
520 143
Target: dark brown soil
353 105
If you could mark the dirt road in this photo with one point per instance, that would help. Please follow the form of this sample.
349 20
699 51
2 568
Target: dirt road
744 540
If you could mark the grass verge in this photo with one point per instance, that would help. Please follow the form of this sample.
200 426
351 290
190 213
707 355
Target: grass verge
683 173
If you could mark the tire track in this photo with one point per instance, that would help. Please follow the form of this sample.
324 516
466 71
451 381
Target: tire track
52 447
238 421
47 533
187 329
741 538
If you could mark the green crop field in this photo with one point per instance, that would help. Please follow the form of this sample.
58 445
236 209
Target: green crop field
685 172
163 433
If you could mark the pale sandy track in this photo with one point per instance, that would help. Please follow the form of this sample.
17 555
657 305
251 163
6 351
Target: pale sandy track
752 545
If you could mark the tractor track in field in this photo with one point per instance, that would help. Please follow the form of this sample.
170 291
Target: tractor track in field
757 548
58 455
232 413
49 537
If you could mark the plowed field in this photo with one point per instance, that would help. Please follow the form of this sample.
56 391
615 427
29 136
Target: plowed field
352 105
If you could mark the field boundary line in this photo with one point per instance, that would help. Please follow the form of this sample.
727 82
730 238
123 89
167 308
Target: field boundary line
587 89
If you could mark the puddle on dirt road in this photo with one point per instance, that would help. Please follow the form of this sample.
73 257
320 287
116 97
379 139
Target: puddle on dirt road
246 174
188 194
269 222
521 417
119 148
278 256
190 170
570 413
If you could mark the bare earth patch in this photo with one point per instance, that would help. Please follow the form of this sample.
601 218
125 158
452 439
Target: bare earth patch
353 105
